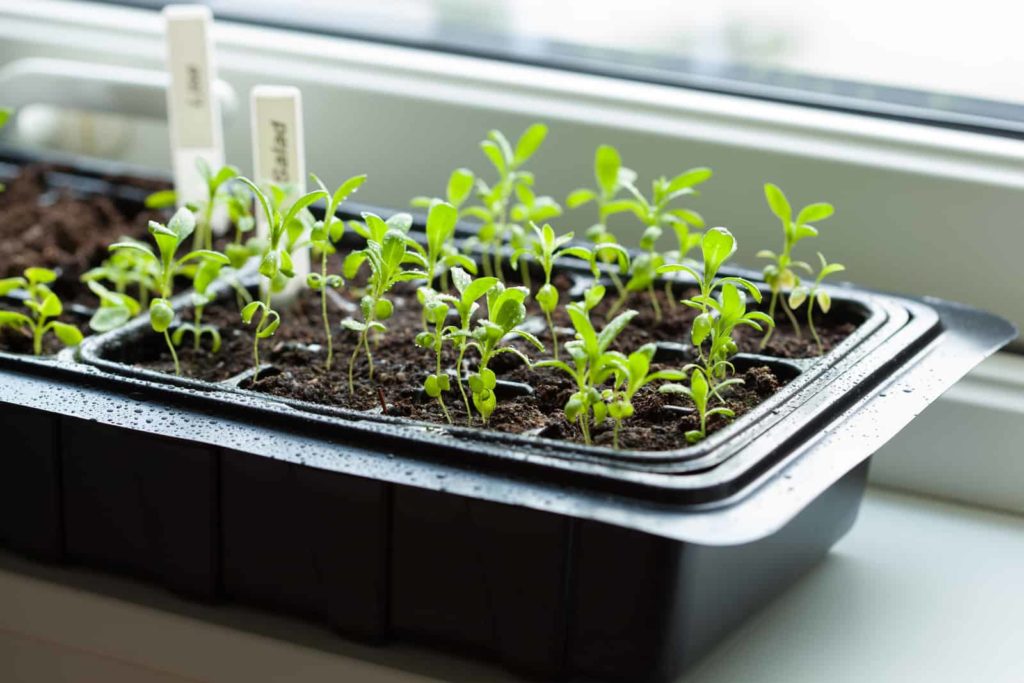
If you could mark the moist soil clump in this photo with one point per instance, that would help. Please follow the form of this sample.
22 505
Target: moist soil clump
64 230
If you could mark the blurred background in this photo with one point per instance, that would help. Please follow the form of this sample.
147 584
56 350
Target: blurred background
873 55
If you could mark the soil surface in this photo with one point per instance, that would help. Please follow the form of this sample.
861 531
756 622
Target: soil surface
297 355
64 230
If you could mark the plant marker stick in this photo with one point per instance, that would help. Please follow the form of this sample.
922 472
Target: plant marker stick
193 110
279 156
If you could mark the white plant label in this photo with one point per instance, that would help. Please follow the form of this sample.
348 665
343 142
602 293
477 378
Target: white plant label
279 156
193 109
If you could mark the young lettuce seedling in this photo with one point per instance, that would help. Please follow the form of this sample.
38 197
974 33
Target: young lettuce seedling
323 237
611 177
460 187
530 209
43 306
699 391
815 294
506 311
644 271
169 239
719 316
592 362
779 273
216 195
436 307
387 250
126 268
494 208
470 291
440 230
547 248
115 308
657 211
276 261
239 203
632 373
205 274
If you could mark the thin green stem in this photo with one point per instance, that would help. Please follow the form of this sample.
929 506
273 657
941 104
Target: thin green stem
444 409
37 338
554 335
196 328
352 364
771 314
792 319
654 302
437 348
619 287
369 354
462 388
585 428
323 310
256 337
810 324
615 434
669 296
174 354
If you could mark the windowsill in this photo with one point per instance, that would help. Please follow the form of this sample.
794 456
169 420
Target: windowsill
919 590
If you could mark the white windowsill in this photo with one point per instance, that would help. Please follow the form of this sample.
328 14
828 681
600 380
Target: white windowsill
919 591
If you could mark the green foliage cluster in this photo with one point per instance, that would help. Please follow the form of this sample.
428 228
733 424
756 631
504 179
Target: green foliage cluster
780 273
43 308
166 265
467 320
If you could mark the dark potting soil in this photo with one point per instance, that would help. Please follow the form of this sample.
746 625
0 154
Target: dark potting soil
65 231
297 353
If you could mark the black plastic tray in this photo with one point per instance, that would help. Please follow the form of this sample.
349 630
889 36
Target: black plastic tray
548 558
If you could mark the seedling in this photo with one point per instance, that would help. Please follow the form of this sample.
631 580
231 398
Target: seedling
658 210
611 178
459 189
276 260
386 252
719 315
779 273
323 237
216 195
169 239
592 362
815 295
203 277
436 307
632 373
43 306
644 271
547 248
239 206
115 308
440 230
506 311
699 392
530 209
470 291
127 268
495 199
